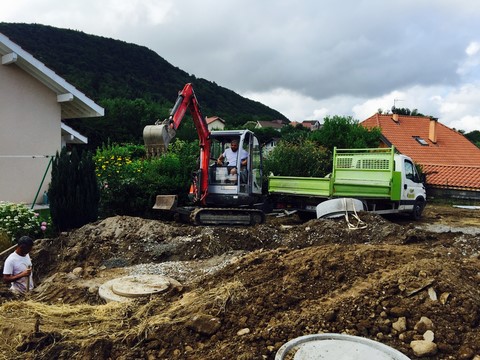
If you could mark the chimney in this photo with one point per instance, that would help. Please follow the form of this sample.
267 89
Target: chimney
395 117
432 132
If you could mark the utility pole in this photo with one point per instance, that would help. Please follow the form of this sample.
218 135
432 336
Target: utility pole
395 104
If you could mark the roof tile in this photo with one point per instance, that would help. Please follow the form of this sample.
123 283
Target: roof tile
451 161
461 177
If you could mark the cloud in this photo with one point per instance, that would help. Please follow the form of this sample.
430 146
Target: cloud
306 59
106 17
296 107
454 107
469 67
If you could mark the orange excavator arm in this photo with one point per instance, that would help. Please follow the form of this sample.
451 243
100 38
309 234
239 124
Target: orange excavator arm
158 136
187 99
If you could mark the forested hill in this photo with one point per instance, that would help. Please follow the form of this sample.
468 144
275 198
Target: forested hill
126 78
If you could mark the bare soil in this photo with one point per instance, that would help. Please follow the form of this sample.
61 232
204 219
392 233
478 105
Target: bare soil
248 290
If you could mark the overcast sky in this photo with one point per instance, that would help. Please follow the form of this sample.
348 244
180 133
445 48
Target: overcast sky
305 58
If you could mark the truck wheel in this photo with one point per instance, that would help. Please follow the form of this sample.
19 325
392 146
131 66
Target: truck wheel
418 209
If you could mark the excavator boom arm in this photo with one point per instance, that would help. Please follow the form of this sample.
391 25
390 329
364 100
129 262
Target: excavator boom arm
158 136
187 100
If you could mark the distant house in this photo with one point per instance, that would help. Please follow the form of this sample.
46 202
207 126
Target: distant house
33 102
450 161
215 123
309 124
269 145
275 124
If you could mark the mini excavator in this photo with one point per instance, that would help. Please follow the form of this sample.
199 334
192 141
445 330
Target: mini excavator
218 196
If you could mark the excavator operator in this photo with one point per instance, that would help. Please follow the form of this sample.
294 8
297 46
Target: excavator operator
230 155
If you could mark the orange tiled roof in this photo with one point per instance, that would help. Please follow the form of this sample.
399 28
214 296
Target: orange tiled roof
453 158
214 118
460 177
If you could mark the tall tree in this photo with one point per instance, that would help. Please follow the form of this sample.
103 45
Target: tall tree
294 134
474 137
73 191
345 133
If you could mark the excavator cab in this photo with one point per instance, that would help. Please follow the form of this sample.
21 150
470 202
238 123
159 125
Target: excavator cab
233 194
234 185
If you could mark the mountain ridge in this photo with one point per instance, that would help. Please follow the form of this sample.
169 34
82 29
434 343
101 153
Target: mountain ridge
106 69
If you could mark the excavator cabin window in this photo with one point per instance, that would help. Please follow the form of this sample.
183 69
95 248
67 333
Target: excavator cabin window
229 160
242 167
225 172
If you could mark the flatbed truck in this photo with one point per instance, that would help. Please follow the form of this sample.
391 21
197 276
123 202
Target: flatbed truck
385 183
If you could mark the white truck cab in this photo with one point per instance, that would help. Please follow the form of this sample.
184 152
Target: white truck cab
413 193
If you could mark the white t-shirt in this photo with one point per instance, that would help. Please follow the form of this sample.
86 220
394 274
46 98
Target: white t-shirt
15 264
231 157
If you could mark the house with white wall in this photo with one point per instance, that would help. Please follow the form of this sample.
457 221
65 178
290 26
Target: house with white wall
33 102
215 123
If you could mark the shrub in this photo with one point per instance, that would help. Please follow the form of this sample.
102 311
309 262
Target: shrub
307 159
345 133
129 184
73 191
17 220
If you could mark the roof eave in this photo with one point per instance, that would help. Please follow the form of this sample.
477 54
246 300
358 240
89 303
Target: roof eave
78 104
75 136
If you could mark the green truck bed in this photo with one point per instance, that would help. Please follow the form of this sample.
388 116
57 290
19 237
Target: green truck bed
358 173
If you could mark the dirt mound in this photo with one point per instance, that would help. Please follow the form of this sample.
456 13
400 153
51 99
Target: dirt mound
247 291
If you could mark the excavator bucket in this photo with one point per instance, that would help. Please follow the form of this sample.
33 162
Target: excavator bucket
156 138
165 202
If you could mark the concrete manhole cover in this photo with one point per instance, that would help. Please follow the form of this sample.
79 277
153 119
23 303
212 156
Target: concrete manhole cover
141 285
129 287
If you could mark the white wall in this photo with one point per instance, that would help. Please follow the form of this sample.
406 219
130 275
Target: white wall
29 125
216 125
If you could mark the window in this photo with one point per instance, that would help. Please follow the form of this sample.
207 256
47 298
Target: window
408 170
420 140
411 172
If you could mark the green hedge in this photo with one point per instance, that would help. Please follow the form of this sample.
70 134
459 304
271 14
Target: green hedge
306 159
73 192
129 182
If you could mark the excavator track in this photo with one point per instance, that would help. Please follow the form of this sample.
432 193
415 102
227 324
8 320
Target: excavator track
226 216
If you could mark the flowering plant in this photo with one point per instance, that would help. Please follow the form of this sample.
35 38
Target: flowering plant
17 220
129 182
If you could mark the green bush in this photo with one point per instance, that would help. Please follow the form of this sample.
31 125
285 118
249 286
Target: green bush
73 191
292 159
129 185
17 220
345 133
